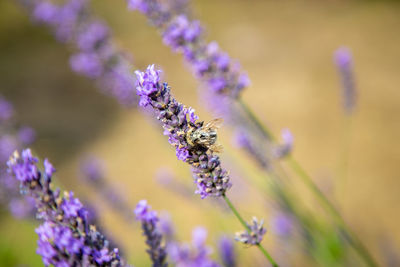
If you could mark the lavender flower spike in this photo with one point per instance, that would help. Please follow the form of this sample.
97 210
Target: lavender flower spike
254 236
344 63
149 221
179 123
65 238
227 251
214 67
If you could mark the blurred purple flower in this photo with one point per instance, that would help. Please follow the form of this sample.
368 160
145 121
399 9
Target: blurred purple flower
282 224
255 235
26 135
6 109
227 251
344 62
284 149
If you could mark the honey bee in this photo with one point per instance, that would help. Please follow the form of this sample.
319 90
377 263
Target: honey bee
205 136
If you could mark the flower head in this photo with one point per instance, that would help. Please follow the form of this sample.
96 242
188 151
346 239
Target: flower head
153 235
254 235
180 123
227 251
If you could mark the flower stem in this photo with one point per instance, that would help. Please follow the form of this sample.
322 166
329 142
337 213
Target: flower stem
353 240
242 221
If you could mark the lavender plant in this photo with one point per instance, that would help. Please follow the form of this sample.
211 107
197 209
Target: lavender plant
96 57
149 220
227 252
12 137
194 144
180 125
344 62
65 237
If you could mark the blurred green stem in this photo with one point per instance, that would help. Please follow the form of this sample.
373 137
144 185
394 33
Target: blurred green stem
242 221
358 246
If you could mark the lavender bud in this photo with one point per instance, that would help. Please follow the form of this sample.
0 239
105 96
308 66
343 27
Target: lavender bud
344 63
284 149
255 235
149 222
65 237
227 251
6 109
180 125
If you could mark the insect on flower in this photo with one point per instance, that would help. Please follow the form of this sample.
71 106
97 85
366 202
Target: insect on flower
205 136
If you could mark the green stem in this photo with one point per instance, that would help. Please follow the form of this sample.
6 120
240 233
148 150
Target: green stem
243 222
359 247
263 129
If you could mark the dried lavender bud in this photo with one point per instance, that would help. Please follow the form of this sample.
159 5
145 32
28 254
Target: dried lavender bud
149 220
344 63
65 238
180 124
227 251
254 236
284 149
214 67
97 56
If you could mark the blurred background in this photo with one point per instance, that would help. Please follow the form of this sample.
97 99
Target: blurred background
287 49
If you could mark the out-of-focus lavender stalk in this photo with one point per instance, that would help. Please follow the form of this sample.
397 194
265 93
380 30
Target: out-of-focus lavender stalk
96 56
193 143
196 254
11 139
93 170
65 238
227 252
210 64
344 62
149 220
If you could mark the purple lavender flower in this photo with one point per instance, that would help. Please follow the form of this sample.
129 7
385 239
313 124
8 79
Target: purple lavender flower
65 237
210 177
212 66
22 207
26 135
93 169
242 139
92 36
149 222
6 109
255 235
166 227
88 64
284 149
227 251
96 57
344 63
8 144
282 224
198 254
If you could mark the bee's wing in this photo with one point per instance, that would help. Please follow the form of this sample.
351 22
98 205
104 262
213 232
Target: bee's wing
214 124
217 148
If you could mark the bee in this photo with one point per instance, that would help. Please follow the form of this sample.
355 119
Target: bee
205 136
